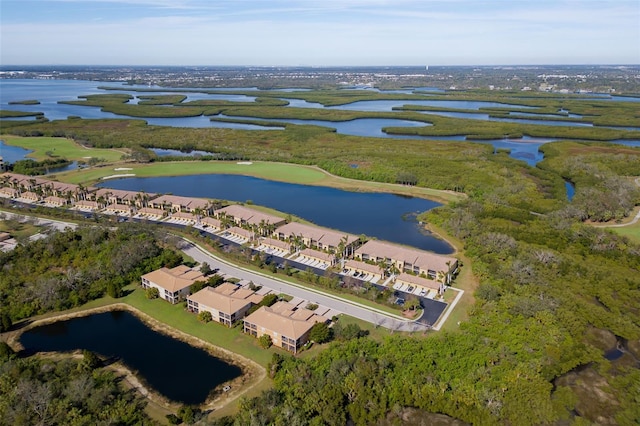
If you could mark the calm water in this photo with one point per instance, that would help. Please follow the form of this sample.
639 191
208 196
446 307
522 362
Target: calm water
49 92
371 127
384 216
176 153
175 369
11 154
571 190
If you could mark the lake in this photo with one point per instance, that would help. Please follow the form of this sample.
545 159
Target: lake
178 371
11 154
384 216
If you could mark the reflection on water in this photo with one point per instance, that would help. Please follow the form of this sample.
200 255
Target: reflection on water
175 369
373 214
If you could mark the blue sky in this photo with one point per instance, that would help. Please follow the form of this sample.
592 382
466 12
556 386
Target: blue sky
316 33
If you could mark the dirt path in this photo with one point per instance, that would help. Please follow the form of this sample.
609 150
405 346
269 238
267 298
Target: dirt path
633 221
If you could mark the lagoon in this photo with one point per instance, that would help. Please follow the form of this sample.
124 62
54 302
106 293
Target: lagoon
178 371
384 216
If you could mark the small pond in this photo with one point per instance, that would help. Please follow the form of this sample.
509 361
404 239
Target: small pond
11 154
160 152
178 371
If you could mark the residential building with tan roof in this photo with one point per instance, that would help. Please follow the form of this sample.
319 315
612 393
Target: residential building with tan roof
23 182
86 205
276 244
118 209
245 216
407 259
121 196
244 234
56 201
355 266
422 283
227 303
151 213
211 222
30 197
287 325
181 204
315 255
185 216
317 237
173 284
8 192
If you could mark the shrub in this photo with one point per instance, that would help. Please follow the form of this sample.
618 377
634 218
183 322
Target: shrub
265 341
152 293
205 316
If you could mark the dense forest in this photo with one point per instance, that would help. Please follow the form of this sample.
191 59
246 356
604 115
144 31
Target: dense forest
555 297
41 391
69 268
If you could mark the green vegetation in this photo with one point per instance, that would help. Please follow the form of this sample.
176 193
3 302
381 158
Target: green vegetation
57 147
552 294
69 268
25 102
32 168
631 231
64 392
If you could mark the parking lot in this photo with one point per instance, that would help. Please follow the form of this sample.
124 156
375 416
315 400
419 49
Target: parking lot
361 276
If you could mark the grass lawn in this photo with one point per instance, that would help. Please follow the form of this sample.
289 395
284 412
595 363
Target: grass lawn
282 172
18 229
177 317
59 147
631 231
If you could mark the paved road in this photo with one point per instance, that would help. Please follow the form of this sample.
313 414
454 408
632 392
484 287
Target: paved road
347 307
353 309
57 224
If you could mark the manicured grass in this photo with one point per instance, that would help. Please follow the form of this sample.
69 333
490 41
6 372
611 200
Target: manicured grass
59 148
282 172
631 231
176 316
18 229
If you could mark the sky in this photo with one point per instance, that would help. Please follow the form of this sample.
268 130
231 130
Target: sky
319 32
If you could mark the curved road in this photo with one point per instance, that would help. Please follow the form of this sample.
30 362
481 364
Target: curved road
353 309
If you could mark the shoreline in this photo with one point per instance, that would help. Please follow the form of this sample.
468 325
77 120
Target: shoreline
328 180
252 372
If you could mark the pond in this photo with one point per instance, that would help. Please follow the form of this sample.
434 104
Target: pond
11 154
385 216
178 371
176 153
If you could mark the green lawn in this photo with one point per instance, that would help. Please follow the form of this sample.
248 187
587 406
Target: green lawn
631 231
177 317
283 172
59 148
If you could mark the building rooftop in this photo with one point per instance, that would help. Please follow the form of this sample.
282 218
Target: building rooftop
420 258
322 235
285 319
227 298
249 215
174 279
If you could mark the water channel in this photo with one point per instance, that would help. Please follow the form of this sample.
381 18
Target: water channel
49 92
177 370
